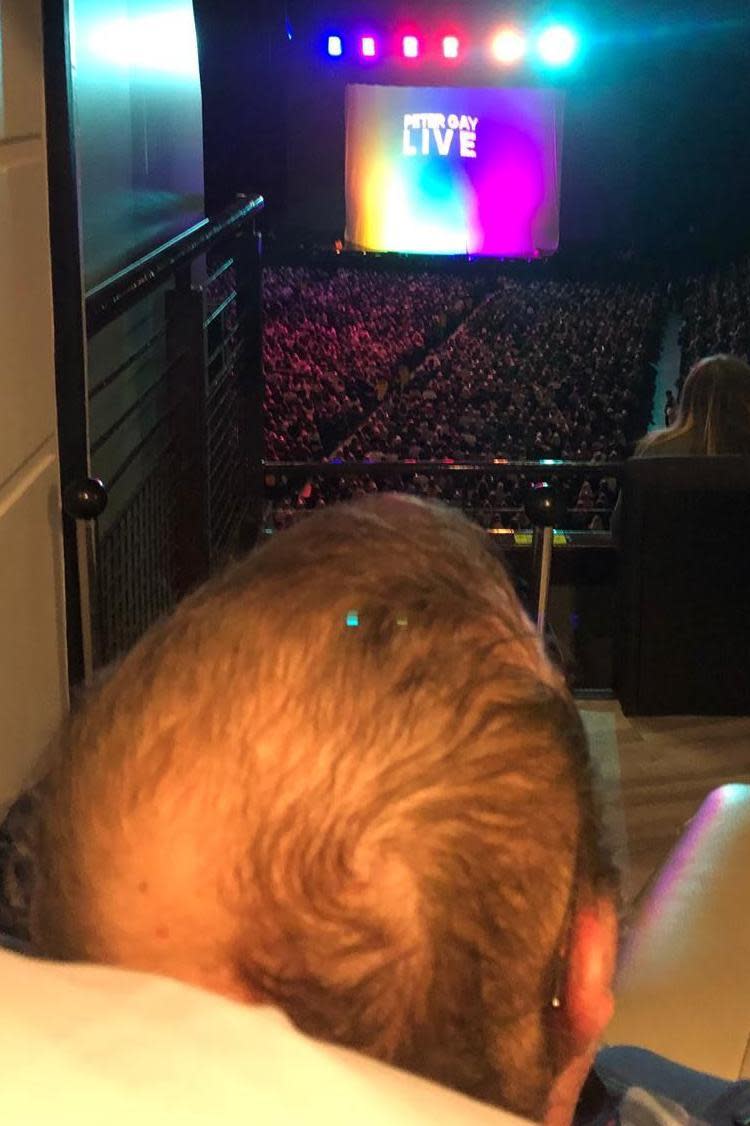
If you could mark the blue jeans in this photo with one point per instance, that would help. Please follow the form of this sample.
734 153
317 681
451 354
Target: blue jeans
717 1101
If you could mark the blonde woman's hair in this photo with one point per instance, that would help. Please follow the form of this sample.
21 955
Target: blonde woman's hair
713 412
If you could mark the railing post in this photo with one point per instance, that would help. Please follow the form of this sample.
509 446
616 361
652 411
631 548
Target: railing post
84 501
544 508
186 345
249 272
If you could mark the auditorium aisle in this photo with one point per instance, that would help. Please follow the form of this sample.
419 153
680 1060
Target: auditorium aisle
667 368
655 772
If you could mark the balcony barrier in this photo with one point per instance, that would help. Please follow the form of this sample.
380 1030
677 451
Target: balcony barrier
174 403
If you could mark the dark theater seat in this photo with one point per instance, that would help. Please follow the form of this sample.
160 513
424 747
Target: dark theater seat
684 630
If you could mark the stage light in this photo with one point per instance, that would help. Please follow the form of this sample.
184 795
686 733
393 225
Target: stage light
410 46
335 46
450 47
368 46
557 45
508 46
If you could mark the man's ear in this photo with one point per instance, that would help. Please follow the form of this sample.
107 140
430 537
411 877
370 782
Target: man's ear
592 955
586 1004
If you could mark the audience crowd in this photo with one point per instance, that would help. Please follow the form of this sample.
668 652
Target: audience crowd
334 341
716 309
538 370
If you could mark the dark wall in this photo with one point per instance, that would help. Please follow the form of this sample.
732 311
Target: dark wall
693 170
242 49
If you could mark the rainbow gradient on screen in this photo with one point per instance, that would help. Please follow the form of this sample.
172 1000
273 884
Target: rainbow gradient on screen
453 170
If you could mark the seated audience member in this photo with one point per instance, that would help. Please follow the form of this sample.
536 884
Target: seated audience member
343 779
670 409
712 416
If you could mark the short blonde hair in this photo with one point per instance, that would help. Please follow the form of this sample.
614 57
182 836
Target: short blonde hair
344 775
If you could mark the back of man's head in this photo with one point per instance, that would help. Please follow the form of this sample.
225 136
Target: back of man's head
342 778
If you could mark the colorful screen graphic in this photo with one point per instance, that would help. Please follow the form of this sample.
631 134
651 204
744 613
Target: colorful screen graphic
453 170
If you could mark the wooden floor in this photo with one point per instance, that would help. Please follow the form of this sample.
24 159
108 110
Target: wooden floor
666 765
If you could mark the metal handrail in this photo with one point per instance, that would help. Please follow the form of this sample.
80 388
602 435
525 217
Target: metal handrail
536 469
107 301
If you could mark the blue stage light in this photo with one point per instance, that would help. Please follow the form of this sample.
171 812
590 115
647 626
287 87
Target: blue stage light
557 45
335 46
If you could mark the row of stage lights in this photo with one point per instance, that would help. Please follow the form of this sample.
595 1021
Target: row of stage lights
554 45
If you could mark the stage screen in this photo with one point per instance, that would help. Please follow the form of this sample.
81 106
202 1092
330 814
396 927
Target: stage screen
453 170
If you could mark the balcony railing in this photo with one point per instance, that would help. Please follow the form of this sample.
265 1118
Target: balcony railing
175 393
291 488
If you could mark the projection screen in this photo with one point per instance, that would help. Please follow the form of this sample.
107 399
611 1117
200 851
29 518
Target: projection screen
441 170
